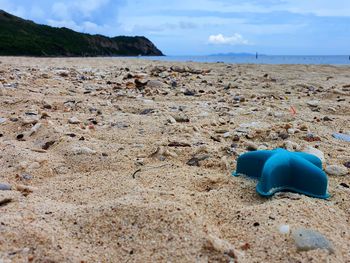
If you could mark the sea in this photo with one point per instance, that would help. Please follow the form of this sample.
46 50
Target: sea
262 59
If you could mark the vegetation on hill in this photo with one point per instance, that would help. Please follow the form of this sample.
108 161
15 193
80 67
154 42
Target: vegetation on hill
19 37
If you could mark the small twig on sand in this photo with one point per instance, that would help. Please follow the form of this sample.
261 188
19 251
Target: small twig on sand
133 175
149 168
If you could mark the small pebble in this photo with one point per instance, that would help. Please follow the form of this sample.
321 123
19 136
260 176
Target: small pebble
34 165
284 229
74 120
313 103
226 134
307 239
181 118
291 146
171 120
34 129
82 150
336 170
347 164
314 151
291 131
25 177
2 120
5 187
251 146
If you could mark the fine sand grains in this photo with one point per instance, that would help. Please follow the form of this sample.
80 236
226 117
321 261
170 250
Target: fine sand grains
126 160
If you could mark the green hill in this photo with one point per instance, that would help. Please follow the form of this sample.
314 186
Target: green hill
19 37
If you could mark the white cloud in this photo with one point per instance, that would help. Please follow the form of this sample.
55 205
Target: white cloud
67 10
220 39
84 26
88 6
60 10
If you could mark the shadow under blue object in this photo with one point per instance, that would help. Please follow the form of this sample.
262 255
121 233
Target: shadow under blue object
280 170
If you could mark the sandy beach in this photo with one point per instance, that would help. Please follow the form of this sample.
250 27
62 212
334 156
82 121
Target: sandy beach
128 160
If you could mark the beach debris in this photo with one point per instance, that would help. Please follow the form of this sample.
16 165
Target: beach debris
25 176
280 170
2 120
314 151
215 138
226 134
342 136
171 120
140 83
291 146
188 92
194 161
146 111
25 189
313 103
181 117
251 146
78 150
215 243
179 144
245 246
155 84
293 111
5 201
284 229
5 187
344 185
310 137
74 120
34 129
308 239
47 145
336 170
347 164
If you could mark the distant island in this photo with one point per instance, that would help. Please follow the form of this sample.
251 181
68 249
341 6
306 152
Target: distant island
19 37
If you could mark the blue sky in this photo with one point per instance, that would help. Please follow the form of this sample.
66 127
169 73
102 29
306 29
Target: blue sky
188 27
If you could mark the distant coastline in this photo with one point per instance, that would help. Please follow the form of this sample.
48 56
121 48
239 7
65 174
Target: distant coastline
262 59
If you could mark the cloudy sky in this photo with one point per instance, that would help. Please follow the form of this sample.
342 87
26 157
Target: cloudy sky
199 27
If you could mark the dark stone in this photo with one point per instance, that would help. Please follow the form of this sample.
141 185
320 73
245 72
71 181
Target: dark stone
20 136
5 187
47 145
283 135
326 118
347 164
146 111
179 144
189 93
235 138
215 138
344 185
195 160
174 84
140 84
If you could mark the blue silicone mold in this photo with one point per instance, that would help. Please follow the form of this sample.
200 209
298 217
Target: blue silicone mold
280 170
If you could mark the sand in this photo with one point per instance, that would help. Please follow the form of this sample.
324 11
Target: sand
99 166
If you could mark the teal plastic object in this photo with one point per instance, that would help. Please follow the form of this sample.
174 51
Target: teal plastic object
280 170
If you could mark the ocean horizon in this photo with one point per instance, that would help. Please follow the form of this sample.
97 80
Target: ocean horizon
261 59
